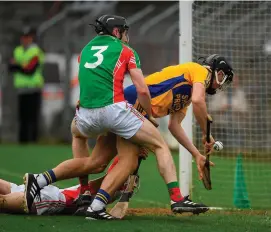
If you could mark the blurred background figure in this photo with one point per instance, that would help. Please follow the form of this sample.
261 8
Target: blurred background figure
230 108
26 67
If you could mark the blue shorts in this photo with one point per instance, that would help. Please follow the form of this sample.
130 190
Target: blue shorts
130 94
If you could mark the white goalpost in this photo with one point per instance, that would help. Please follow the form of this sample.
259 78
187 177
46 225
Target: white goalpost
185 55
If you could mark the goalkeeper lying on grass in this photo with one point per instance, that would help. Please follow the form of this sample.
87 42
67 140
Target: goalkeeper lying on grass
52 199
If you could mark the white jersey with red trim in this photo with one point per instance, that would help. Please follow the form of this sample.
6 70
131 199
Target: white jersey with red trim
53 200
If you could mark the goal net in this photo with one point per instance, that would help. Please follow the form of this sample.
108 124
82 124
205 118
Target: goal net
240 31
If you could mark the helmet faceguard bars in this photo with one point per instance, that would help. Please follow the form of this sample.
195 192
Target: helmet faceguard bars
218 63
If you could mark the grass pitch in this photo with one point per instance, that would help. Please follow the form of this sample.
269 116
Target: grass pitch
150 209
209 222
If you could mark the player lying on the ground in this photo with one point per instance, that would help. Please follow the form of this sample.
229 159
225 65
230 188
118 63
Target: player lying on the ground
52 199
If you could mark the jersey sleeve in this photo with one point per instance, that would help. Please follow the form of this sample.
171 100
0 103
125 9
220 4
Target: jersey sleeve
199 74
133 60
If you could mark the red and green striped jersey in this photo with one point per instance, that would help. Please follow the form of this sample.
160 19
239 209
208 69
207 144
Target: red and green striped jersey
103 64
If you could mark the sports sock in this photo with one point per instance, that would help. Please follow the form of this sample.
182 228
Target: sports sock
83 184
46 178
174 191
101 200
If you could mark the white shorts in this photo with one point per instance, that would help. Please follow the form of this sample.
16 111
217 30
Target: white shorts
119 118
52 201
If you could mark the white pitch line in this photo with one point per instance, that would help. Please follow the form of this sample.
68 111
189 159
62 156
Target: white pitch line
219 208
167 205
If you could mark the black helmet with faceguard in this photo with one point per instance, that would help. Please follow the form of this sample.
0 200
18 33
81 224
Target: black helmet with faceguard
106 23
218 63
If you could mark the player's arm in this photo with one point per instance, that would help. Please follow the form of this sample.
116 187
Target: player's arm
143 94
198 76
179 134
199 105
200 112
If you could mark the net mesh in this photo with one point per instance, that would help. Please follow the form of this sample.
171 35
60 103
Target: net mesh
240 31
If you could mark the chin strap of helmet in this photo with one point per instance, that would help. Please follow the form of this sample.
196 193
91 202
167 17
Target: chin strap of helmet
209 88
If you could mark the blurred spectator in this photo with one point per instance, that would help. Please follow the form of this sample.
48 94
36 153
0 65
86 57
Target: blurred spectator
26 66
229 109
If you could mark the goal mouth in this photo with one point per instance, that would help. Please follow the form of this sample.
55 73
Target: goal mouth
238 31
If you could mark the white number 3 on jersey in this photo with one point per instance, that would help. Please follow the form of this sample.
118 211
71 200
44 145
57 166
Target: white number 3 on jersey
99 56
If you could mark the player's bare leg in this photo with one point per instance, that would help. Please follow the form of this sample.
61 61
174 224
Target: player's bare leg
12 203
80 149
128 159
150 137
103 152
101 155
105 145
95 184
5 187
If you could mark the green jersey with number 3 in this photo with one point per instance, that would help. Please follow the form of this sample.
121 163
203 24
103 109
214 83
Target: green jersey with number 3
103 64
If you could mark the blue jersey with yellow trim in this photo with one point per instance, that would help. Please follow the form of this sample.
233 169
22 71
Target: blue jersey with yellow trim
170 89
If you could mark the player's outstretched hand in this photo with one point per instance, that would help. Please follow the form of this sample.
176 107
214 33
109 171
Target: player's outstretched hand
200 160
153 121
208 146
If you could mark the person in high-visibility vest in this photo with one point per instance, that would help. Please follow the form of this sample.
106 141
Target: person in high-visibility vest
26 66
